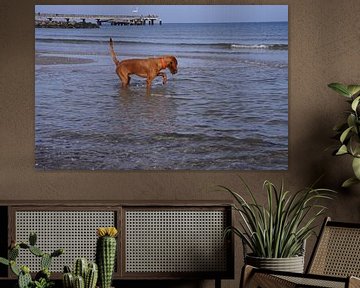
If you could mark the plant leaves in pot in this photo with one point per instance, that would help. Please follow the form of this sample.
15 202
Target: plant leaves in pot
275 233
348 132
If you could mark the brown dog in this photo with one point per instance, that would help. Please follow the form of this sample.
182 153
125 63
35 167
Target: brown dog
148 68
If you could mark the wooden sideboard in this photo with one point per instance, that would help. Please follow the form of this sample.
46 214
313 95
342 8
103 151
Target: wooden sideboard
157 240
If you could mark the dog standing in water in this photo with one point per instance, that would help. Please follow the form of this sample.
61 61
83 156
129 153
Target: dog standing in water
148 68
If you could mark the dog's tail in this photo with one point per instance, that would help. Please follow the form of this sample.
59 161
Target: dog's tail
112 52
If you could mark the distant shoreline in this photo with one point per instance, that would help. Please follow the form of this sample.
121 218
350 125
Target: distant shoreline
56 60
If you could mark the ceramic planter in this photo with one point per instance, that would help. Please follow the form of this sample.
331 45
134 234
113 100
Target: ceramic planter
291 264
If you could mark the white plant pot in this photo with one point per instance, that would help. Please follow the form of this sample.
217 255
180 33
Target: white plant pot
291 264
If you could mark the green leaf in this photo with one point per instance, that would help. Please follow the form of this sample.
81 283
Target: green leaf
356 167
351 120
4 261
355 103
349 182
353 89
280 227
13 253
354 145
340 88
45 261
345 134
342 150
14 268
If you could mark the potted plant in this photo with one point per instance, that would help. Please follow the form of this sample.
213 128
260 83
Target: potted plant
348 132
276 233
42 278
84 274
106 254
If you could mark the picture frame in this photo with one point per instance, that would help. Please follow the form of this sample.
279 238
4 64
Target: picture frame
226 108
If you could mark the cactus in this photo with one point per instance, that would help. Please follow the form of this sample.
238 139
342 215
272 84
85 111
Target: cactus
67 269
24 245
36 251
14 268
44 273
87 272
81 265
24 280
45 261
57 253
4 261
79 282
68 280
42 278
91 276
105 254
13 253
32 238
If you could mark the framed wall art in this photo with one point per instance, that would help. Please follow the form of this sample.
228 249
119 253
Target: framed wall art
222 106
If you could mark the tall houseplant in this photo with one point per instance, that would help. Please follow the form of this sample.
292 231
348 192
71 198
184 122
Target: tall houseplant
349 132
279 229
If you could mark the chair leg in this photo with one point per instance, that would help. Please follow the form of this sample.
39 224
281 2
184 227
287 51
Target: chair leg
217 282
246 274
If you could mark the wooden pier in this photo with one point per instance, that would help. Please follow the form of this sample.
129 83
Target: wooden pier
98 19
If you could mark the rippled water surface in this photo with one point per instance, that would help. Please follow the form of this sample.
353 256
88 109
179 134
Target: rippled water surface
226 108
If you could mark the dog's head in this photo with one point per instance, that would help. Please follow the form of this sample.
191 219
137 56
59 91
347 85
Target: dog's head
172 64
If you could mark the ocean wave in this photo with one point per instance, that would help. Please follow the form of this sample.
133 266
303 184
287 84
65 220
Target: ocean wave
223 138
260 46
219 45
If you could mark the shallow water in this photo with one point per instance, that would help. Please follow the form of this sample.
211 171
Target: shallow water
226 108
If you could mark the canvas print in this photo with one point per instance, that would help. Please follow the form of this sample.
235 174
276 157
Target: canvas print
161 87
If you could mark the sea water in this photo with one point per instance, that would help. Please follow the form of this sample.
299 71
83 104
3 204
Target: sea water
225 109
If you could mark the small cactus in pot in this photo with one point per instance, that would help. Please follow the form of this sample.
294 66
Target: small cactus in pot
106 254
85 275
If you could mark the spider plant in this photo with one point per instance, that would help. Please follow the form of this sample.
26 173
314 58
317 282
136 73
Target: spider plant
279 229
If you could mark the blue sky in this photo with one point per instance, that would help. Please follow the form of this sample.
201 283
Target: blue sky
180 13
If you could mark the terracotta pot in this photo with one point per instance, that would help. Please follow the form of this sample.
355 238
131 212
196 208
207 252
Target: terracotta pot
291 264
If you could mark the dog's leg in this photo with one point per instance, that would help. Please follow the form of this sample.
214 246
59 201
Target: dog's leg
124 77
124 81
148 83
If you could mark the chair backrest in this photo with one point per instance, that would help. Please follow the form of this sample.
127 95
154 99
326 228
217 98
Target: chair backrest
337 251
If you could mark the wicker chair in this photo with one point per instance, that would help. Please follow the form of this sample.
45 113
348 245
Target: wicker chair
334 263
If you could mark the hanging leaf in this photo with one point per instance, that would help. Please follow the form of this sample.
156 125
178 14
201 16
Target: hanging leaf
345 134
351 120
354 145
340 88
355 103
356 167
342 150
348 132
349 182
353 89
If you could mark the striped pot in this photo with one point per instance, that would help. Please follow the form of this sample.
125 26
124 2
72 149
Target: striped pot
291 264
